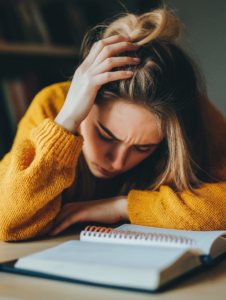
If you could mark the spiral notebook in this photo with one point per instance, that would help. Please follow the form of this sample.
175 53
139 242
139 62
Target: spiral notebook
130 256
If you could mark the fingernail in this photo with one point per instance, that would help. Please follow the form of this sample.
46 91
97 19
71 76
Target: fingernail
135 45
136 59
129 73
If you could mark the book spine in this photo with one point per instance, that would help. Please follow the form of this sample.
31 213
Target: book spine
9 108
2 39
14 100
2 144
56 19
78 22
30 88
11 27
18 98
6 138
206 259
40 23
27 22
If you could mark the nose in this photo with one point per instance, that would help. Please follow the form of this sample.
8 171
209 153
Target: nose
117 158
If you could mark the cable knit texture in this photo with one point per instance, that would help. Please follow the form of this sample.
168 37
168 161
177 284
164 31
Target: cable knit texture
39 167
42 161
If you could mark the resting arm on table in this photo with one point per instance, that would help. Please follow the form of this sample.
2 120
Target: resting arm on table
164 208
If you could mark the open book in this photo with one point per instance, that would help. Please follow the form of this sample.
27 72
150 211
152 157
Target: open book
130 256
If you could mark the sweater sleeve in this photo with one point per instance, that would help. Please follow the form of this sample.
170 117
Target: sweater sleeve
184 210
39 167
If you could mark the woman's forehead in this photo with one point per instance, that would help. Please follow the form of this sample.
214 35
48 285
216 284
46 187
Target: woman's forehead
128 121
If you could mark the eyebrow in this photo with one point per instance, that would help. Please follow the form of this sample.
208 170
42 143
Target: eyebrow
112 135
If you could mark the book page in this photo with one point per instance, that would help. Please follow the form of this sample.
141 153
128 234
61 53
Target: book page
105 254
125 265
202 239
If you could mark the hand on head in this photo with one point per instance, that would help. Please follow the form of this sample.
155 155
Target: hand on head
91 75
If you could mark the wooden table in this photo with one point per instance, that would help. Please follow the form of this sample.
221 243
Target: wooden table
208 284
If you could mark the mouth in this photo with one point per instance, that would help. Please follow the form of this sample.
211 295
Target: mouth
105 172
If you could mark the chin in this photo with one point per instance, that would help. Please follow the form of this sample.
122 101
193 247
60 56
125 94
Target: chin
99 175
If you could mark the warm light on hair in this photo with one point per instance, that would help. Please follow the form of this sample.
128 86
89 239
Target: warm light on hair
168 83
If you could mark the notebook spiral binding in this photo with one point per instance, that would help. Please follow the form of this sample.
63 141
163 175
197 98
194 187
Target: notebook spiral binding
111 232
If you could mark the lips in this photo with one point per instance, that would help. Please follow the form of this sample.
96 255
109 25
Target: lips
105 172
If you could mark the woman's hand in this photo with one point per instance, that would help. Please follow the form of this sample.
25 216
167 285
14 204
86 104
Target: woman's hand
91 75
109 210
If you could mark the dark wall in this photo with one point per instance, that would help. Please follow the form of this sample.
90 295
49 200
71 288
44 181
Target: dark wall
205 21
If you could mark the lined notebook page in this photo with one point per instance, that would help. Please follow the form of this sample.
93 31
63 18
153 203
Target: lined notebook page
169 237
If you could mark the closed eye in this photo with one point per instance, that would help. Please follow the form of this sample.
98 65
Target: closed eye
110 140
142 151
104 138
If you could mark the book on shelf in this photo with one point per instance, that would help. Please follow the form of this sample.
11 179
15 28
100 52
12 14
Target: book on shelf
22 22
130 256
16 95
77 20
47 22
27 20
39 22
57 21
2 137
18 98
11 26
8 107
2 38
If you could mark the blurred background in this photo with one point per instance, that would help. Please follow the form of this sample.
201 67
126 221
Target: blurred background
40 42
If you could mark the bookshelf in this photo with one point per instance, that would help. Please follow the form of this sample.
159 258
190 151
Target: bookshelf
39 46
39 50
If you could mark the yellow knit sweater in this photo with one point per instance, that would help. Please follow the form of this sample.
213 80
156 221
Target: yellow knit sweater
42 164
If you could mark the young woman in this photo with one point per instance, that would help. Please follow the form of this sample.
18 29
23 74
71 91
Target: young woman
132 137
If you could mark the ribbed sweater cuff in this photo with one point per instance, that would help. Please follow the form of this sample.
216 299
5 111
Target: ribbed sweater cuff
57 142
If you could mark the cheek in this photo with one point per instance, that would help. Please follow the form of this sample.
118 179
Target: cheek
135 158
94 148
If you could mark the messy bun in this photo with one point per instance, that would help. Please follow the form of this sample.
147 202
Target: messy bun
155 25
167 83
158 24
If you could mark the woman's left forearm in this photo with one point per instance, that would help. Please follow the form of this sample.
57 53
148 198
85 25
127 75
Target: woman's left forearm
110 210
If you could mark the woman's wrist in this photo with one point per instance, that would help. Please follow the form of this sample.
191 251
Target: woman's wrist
67 122
122 208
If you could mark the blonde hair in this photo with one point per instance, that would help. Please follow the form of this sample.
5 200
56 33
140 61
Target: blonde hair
168 83
155 25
